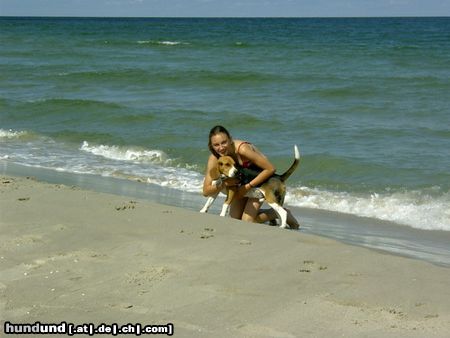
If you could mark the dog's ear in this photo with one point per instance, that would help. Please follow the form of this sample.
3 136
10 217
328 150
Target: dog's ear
214 173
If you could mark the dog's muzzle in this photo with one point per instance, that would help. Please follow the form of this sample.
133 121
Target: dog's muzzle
233 172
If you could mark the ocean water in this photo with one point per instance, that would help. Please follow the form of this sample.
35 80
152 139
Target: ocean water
365 99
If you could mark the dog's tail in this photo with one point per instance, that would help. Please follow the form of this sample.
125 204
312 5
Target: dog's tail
293 166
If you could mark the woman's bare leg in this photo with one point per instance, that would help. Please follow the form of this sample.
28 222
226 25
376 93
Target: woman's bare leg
251 210
237 208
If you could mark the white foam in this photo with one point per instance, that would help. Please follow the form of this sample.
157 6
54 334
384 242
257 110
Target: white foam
164 43
152 166
418 209
11 133
184 181
125 154
169 43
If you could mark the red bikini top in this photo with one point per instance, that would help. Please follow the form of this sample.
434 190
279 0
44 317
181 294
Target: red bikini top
244 164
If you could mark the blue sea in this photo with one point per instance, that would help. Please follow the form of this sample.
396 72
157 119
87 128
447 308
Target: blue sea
132 100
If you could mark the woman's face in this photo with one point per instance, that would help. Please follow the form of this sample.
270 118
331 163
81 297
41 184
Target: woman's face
221 144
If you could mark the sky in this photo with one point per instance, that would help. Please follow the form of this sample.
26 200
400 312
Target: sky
225 8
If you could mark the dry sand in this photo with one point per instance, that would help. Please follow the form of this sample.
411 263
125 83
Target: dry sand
80 256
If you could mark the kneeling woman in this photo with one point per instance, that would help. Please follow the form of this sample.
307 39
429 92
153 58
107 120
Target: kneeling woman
244 208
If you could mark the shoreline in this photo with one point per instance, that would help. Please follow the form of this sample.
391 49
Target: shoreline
80 256
384 236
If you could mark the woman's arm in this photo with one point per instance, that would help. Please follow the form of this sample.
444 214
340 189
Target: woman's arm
211 174
250 153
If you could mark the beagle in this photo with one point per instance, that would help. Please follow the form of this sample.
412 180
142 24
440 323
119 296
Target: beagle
272 191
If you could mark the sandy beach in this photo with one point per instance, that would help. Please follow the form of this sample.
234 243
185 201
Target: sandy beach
78 256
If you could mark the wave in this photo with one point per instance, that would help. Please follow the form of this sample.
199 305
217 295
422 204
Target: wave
142 165
402 48
344 92
125 154
162 43
241 44
160 76
7 134
60 111
422 209
216 78
130 74
176 43
60 104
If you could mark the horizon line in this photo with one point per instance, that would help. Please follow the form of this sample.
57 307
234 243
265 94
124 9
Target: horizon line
223 17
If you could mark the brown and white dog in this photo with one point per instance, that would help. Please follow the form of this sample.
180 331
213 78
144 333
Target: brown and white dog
272 191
